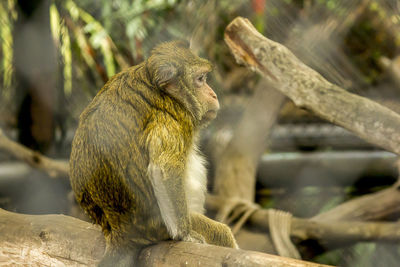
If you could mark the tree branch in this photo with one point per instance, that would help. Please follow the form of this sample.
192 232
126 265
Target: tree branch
375 206
62 240
308 89
54 168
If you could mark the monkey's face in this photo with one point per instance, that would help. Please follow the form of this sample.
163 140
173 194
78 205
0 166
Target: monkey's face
177 71
206 97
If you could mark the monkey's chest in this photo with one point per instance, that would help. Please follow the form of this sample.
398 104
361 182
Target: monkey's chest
196 181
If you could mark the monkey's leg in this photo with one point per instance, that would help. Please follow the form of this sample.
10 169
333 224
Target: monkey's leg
214 232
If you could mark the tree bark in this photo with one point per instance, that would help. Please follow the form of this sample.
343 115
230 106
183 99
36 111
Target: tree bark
48 240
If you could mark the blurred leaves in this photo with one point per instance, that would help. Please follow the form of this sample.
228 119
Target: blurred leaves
84 33
98 37
7 16
72 26
63 43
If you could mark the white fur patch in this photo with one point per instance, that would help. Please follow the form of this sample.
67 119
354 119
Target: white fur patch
196 181
163 200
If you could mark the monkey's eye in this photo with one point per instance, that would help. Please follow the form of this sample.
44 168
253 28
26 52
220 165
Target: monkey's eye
201 79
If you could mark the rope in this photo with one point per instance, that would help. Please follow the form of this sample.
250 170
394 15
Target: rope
279 224
279 227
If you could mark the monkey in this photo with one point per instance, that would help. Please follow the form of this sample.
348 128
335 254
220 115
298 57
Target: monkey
135 166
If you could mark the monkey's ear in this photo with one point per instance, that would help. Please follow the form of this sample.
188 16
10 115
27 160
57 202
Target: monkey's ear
165 75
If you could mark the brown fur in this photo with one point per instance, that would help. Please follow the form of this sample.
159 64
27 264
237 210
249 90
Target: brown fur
139 129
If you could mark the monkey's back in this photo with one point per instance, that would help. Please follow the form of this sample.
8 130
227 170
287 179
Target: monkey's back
109 161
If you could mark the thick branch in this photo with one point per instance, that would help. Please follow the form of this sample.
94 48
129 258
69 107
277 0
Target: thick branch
236 166
56 240
308 89
376 206
191 254
53 168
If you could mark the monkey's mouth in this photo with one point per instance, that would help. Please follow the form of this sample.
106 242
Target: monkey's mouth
210 115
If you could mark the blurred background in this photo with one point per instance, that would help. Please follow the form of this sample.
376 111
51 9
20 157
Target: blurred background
55 56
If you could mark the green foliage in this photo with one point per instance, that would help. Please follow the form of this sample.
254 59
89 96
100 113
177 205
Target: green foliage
98 37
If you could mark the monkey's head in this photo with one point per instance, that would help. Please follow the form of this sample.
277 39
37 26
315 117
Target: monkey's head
175 70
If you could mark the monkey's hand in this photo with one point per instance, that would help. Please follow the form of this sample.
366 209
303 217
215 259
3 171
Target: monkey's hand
194 237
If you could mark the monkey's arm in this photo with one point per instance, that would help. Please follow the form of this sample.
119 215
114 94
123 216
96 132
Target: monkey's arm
168 191
167 174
